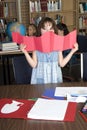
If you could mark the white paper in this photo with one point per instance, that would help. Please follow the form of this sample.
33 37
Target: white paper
48 109
79 99
73 91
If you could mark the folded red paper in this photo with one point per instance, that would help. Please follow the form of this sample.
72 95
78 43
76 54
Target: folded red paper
48 42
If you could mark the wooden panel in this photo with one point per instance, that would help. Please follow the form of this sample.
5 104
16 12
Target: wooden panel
25 12
67 5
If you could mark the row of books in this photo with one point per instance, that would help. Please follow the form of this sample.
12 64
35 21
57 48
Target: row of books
8 46
83 7
82 21
59 19
45 5
7 9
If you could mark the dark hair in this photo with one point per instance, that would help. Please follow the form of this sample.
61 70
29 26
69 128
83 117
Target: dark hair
63 27
43 21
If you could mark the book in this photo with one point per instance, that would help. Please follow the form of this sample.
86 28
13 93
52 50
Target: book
46 109
81 9
8 46
1 10
48 42
43 4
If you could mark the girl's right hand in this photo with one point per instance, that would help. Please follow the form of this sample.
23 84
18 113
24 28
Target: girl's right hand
22 48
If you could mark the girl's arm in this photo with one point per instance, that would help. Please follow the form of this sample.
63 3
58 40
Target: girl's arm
31 60
63 61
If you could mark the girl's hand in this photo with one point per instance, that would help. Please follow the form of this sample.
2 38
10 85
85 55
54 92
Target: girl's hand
75 48
22 48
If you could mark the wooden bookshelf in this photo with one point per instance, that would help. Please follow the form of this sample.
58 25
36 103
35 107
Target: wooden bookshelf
66 11
82 17
8 13
8 10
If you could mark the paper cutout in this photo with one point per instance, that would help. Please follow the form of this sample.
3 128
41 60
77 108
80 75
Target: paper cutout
12 107
48 42
20 108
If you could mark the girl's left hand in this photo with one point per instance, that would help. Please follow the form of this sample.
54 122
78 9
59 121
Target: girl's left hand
75 47
22 48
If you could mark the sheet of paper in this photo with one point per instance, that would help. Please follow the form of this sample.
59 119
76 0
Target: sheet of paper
48 42
73 91
47 109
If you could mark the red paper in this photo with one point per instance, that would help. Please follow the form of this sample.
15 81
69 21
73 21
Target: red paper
71 112
22 108
48 42
25 105
17 37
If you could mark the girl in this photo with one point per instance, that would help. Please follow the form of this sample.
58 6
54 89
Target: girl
62 29
47 66
32 30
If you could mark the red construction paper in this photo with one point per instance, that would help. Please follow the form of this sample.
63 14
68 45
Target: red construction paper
48 42
71 112
24 106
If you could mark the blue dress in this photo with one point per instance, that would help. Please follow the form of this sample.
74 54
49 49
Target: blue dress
47 70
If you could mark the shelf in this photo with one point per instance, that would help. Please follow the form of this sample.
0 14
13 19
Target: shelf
82 16
69 20
8 9
7 1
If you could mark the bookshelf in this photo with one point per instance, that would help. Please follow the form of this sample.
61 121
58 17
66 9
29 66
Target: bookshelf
13 10
82 17
8 9
8 13
65 12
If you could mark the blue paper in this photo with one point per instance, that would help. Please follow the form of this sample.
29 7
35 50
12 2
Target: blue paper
49 93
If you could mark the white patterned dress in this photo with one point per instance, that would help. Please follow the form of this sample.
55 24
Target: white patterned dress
47 70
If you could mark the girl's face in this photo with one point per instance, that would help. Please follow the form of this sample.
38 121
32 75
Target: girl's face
47 27
60 32
31 31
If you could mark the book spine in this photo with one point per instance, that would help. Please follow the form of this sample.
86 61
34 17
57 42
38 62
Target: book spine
43 4
1 10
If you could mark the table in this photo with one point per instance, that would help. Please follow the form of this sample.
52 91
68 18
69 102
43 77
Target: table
35 91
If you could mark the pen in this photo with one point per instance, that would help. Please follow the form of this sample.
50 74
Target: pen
83 116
